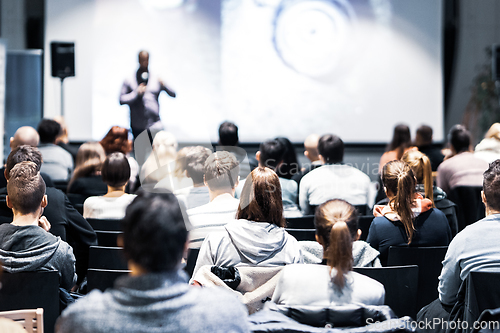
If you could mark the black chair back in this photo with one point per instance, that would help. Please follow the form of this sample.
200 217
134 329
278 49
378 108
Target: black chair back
429 261
364 224
31 290
103 279
105 224
303 234
107 238
191 261
400 283
304 222
101 257
469 203
482 293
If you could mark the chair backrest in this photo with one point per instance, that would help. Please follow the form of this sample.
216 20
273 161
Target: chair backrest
304 222
191 261
107 238
469 204
303 234
31 320
101 257
105 224
429 261
364 224
400 283
103 278
32 290
482 293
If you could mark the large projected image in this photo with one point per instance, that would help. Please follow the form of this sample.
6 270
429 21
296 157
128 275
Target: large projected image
275 67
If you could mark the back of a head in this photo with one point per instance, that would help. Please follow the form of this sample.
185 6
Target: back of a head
399 180
422 169
290 165
165 145
154 232
89 161
272 153
260 198
26 187
228 134
331 147
221 171
493 132
401 138
195 163
491 186
311 147
22 154
459 138
25 135
116 170
48 130
116 140
424 135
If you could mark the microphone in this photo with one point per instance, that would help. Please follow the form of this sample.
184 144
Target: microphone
145 77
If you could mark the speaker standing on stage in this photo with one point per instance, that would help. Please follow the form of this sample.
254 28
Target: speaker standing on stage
141 93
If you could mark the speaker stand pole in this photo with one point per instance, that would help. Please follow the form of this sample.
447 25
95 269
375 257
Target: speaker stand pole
62 97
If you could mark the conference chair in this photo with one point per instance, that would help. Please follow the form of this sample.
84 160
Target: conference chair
31 320
469 203
107 238
400 283
304 222
429 261
32 290
105 224
101 257
482 293
364 224
103 279
303 234
191 261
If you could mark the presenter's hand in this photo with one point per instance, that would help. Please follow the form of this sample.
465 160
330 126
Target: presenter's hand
141 89
44 223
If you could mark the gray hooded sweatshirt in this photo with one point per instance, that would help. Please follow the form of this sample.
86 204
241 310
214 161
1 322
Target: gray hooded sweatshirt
30 248
248 243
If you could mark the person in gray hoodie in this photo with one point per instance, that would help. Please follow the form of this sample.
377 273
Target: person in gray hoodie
257 237
26 244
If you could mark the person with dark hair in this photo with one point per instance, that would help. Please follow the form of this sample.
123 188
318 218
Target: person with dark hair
115 172
257 237
333 283
271 154
462 168
86 180
290 165
155 296
475 248
67 223
25 243
408 218
198 194
57 162
400 143
333 180
423 141
228 134
221 178
140 92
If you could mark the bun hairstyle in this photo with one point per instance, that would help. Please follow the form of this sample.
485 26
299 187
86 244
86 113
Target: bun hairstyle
336 224
398 178
421 167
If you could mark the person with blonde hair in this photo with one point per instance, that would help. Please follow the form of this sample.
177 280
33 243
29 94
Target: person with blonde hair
408 218
86 179
333 283
489 148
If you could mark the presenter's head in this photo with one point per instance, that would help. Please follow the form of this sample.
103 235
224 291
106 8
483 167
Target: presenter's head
143 60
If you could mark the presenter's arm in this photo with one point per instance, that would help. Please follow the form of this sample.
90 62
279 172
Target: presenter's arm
169 91
129 95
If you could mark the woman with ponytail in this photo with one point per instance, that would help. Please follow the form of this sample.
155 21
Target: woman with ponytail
409 218
421 167
334 283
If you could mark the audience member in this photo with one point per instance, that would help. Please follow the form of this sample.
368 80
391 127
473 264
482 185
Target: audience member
312 153
117 140
57 162
423 141
476 248
155 296
115 174
25 243
257 237
462 168
25 135
333 283
159 166
228 141
195 169
400 143
86 179
408 218
62 139
421 167
271 154
66 222
290 165
221 178
489 148
334 180
178 181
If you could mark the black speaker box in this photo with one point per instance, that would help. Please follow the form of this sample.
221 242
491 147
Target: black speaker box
63 59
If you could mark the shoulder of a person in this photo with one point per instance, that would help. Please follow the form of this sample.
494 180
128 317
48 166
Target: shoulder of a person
367 281
93 302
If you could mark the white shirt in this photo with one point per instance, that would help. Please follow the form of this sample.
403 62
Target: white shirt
107 207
